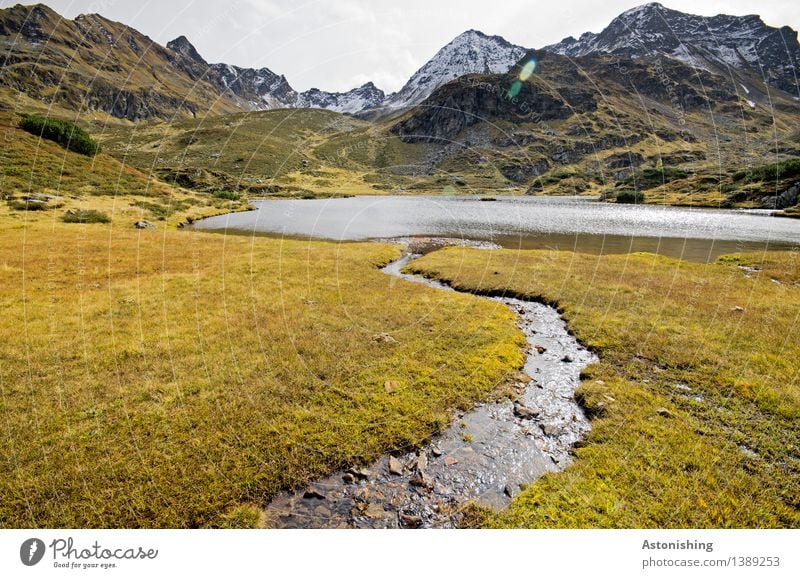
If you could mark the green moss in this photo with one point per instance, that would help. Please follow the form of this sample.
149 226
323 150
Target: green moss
629 197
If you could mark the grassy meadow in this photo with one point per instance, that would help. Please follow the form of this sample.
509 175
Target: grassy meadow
164 378
695 398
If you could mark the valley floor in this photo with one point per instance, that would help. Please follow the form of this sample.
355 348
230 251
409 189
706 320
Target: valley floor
164 378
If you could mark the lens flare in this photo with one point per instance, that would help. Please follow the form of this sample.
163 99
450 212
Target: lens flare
524 74
528 70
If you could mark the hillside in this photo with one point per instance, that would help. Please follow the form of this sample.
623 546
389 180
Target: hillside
91 64
41 181
605 123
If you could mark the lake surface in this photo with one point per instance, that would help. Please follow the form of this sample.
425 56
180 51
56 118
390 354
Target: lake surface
568 223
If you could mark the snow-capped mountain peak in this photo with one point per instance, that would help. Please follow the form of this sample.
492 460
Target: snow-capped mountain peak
364 97
471 52
717 43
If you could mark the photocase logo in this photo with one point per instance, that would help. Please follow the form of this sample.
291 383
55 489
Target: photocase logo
31 552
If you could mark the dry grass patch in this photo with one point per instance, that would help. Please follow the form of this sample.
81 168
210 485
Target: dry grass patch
166 378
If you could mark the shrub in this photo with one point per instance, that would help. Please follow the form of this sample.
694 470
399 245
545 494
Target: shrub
86 216
227 195
71 137
630 197
771 172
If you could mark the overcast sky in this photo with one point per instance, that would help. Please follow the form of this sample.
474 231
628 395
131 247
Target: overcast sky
338 45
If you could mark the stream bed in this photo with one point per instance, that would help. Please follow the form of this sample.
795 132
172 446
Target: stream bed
487 455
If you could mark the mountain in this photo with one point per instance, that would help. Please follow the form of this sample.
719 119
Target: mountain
605 123
250 88
93 64
262 89
359 99
472 52
744 44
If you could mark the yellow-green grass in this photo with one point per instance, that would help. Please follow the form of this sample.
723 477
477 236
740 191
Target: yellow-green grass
251 149
29 164
34 166
722 454
181 379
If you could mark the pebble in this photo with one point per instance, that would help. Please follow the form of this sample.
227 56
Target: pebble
395 466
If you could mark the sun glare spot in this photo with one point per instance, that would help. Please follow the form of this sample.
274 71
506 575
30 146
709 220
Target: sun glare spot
515 88
528 70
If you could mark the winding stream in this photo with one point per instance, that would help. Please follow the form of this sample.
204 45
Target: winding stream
487 455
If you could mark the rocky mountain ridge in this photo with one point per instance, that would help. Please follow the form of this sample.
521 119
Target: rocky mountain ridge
721 44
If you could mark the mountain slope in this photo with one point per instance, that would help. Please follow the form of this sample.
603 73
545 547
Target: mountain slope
719 43
93 64
605 124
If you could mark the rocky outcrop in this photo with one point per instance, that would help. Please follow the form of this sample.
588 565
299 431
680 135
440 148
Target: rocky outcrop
474 99
788 198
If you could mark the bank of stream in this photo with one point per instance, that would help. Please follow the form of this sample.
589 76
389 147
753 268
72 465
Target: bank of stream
487 455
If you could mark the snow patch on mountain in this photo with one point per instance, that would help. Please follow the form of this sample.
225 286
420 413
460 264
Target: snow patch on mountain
717 43
472 52
362 98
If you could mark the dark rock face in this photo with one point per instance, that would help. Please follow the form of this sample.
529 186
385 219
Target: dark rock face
473 99
788 198
583 148
519 173
624 160
678 157
182 46
717 44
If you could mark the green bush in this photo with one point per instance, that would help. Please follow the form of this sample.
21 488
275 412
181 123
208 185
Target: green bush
776 171
227 195
630 197
650 178
86 216
71 137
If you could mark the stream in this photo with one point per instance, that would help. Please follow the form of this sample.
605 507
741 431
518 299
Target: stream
487 455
